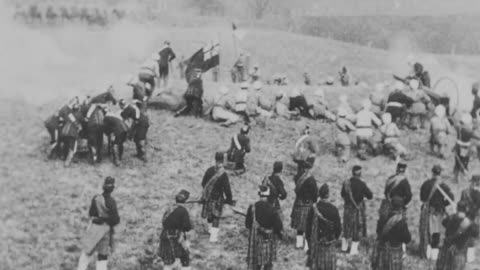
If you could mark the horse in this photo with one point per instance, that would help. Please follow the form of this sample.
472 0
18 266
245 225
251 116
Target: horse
104 98
94 132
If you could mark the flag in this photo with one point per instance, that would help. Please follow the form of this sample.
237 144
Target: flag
206 58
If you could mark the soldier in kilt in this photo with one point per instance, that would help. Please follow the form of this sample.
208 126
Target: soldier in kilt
392 234
276 186
306 148
139 128
265 226
99 237
471 196
173 240
193 96
239 147
354 191
216 192
460 230
432 213
306 195
462 148
323 230
397 185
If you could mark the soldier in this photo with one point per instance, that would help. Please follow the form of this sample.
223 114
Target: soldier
216 192
390 138
70 132
377 98
257 105
306 78
114 126
241 102
220 110
173 239
392 235
103 218
298 102
397 103
419 74
239 68
265 226
255 74
275 184
239 146
54 125
319 106
306 149
459 231
166 57
139 128
433 196
364 130
462 147
354 191
149 72
397 185
344 77
418 110
344 105
193 96
471 196
439 130
476 100
342 142
323 230
306 192
281 109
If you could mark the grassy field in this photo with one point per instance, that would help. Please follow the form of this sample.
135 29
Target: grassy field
44 206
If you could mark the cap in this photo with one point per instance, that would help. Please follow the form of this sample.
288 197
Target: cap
356 169
401 167
257 85
440 111
323 191
277 166
263 191
182 196
109 182
386 118
219 157
437 169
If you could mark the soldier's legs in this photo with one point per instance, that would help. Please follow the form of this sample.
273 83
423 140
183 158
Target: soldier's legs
140 150
197 107
102 261
72 149
83 261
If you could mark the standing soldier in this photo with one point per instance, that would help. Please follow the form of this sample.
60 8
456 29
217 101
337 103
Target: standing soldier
239 146
392 235
397 185
216 192
462 147
476 100
306 149
342 142
460 230
471 196
70 132
166 56
432 194
306 192
439 130
275 184
323 230
344 77
193 96
173 239
239 68
365 121
255 74
265 226
354 191
103 218
139 128
114 126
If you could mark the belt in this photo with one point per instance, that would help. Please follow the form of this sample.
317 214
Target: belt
364 127
241 102
465 144
394 104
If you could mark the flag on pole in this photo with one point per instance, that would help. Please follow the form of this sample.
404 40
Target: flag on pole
206 58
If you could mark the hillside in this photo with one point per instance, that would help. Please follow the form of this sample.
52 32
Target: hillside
44 209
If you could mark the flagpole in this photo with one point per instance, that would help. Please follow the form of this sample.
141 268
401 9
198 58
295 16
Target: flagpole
219 71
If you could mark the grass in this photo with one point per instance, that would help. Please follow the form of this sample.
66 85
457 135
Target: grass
44 209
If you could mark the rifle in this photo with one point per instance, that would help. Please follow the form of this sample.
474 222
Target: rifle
405 81
203 201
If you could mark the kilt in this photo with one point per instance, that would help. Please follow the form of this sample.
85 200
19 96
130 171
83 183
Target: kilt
299 215
322 256
163 70
385 257
170 248
264 250
212 209
238 157
451 258
354 222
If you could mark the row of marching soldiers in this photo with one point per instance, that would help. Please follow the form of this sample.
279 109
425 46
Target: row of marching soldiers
316 220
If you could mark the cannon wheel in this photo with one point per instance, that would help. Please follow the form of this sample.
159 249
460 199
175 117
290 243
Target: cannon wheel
448 86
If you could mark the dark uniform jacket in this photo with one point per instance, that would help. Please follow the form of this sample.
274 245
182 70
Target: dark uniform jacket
115 125
476 107
195 88
360 191
399 97
307 193
328 230
402 190
452 237
300 103
112 219
166 55
277 189
244 143
266 217
130 112
221 190
179 219
437 201
398 234
472 198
